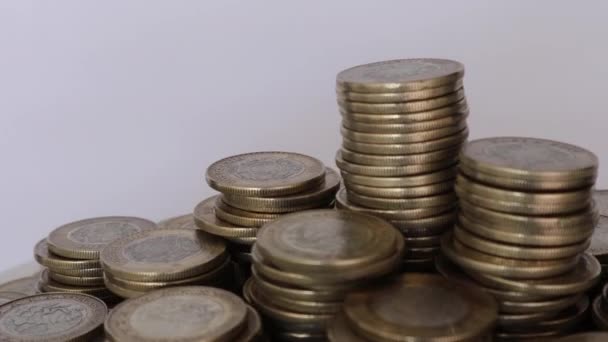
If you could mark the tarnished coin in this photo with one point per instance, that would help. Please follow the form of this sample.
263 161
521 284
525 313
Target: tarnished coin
326 240
599 240
163 254
585 337
459 108
404 96
178 222
86 238
6 296
52 317
55 262
402 203
404 128
265 174
191 313
402 138
404 160
413 148
316 198
26 285
393 171
413 192
400 75
400 182
601 199
535 160
206 220
413 307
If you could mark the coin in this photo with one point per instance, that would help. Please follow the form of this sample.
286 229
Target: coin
393 171
599 240
459 108
565 320
46 284
163 255
402 203
76 281
413 148
86 238
506 321
85 272
297 293
419 191
400 75
340 331
297 305
326 240
405 96
6 296
401 137
413 306
45 258
601 199
399 182
26 285
178 222
516 251
192 313
206 220
585 337
530 159
265 174
403 107
474 261
404 160
553 304
51 317
121 291
306 200
419 126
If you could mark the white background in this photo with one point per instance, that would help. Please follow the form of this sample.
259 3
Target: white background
117 107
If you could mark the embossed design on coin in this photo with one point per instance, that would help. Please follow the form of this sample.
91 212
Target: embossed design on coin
265 169
162 249
102 232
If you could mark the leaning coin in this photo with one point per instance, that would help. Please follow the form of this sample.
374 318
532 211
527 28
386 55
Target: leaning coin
206 220
402 138
393 171
399 96
400 149
178 222
52 317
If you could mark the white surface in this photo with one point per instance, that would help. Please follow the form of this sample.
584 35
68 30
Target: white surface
117 107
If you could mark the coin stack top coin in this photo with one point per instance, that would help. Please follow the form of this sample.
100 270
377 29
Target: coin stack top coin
184 313
159 258
415 307
525 220
403 123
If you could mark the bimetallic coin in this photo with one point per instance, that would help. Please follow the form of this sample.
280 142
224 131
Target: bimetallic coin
403 128
6 296
206 219
393 171
86 238
400 75
319 197
265 174
163 255
599 240
419 191
391 97
326 240
402 203
413 306
178 222
45 258
192 313
52 317
402 138
26 285
455 109
404 160
76 281
401 149
601 199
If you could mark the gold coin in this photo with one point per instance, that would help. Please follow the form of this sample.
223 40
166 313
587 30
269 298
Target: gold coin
326 240
553 304
531 159
265 174
585 337
307 200
400 75
6 297
52 317
516 251
403 107
121 291
273 289
339 330
26 285
404 160
474 261
393 171
45 258
583 277
403 128
163 255
402 203
402 138
601 199
86 238
206 220
413 148
48 285
342 202
400 182
393 97
413 307
178 222
296 305
455 109
422 241
76 281
419 191
196 313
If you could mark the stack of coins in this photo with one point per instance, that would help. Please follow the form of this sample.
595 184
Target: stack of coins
71 254
415 307
403 124
52 317
256 189
526 217
145 261
599 240
599 312
186 313
306 262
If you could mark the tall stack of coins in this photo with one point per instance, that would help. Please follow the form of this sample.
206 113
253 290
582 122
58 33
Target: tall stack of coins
149 260
415 307
256 189
403 124
52 317
185 313
305 263
599 312
526 216
71 254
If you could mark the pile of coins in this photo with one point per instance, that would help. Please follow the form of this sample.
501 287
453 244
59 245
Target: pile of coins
403 124
71 254
52 317
153 259
415 307
186 313
306 262
525 220
258 188
599 309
